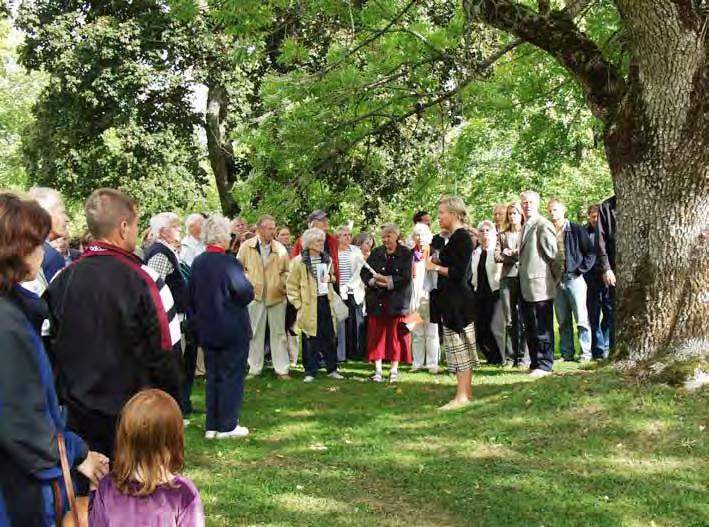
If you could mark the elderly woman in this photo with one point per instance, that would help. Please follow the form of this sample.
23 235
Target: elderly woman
425 344
352 293
219 296
365 242
507 253
388 279
310 290
489 322
456 299
31 421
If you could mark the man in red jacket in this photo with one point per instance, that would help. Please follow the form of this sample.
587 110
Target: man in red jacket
319 220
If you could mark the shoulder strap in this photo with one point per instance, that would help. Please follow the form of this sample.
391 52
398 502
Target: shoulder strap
67 479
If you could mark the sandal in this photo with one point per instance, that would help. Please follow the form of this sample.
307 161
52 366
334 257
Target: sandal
393 377
377 377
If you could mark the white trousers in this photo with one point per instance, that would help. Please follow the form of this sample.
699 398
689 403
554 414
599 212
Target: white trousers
276 317
425 346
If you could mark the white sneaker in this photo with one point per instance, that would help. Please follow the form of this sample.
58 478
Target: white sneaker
239 431
309 378
539 373
335 375
210 434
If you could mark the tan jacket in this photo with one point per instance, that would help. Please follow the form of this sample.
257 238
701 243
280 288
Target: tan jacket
303 294
270 281
538 265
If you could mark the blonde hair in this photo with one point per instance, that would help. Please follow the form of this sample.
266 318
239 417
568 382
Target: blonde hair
149 442
455 205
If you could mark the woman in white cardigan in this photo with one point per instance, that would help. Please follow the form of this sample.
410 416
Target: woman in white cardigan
489 322
425 344
352 292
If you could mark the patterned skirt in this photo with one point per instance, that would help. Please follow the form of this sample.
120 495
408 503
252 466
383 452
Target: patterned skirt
461 349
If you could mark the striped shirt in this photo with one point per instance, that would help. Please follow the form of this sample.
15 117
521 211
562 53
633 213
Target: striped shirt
346 261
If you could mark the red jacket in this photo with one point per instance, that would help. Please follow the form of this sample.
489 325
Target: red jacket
331 248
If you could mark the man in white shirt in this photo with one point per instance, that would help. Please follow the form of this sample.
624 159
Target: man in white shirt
192 245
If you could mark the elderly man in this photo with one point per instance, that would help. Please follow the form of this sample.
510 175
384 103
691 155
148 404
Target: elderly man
266 264
538 276
113 323
192 245
53 261
576 256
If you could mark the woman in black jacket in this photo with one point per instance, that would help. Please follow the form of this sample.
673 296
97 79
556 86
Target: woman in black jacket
30 420
388 281
456 299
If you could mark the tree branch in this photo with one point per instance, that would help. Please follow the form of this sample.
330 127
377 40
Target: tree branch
558 35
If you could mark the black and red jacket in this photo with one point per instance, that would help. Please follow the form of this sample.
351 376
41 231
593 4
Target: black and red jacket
113 330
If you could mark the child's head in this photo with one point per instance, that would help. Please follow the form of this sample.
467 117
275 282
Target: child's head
149 442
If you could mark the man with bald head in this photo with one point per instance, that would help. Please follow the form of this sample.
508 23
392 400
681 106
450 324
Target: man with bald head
114 327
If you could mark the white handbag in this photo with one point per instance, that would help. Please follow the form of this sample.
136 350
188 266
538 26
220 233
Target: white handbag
342 312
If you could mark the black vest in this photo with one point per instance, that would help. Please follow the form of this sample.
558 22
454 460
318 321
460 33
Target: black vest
175 282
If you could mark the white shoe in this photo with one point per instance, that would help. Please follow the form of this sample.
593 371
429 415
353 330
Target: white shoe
335 375
539 373
414 369
309 378
239 431
210 434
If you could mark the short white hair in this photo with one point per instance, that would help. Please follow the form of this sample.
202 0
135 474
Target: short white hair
216 229
163 220
192 219
424 231
530 194
342 228
48 198
312 235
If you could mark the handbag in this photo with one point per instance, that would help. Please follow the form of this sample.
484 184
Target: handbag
342 312
68 484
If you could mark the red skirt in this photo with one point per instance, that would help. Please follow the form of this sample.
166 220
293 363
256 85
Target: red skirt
388 339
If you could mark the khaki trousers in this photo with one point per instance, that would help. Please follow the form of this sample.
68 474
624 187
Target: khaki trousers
276 317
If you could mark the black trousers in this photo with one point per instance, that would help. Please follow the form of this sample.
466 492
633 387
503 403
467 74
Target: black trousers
353 330
484 336
539 331
323 344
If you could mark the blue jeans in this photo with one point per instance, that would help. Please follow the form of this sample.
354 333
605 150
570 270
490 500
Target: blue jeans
226 371
570 304
600 300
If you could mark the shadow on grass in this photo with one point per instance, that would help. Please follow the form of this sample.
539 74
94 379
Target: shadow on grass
576 449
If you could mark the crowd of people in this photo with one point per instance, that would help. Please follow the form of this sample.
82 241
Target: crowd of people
101 338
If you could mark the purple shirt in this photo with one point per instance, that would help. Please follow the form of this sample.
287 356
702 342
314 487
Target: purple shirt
167 506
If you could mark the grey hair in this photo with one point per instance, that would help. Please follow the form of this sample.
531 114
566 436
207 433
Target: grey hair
342 228
455 205
162 221
216 229
192 219
493 231
48 198
392 228
424 231
311 235
532 195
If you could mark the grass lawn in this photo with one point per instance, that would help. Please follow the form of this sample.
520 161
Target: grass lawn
577 448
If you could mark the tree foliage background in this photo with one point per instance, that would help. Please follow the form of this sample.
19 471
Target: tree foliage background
370 110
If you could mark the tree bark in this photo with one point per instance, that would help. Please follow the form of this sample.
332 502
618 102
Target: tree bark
657 143
219 147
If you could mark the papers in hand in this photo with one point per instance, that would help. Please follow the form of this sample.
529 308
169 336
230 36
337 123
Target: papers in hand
323 272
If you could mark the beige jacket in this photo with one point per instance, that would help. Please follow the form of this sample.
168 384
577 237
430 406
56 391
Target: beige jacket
269 281
538 265
303 294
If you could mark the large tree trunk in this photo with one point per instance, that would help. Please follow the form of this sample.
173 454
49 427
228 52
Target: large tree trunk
219 147
657 143
658 150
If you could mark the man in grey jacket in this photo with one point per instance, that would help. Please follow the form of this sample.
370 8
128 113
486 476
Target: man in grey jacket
538 276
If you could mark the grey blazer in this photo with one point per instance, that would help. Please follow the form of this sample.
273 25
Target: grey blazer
538 265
